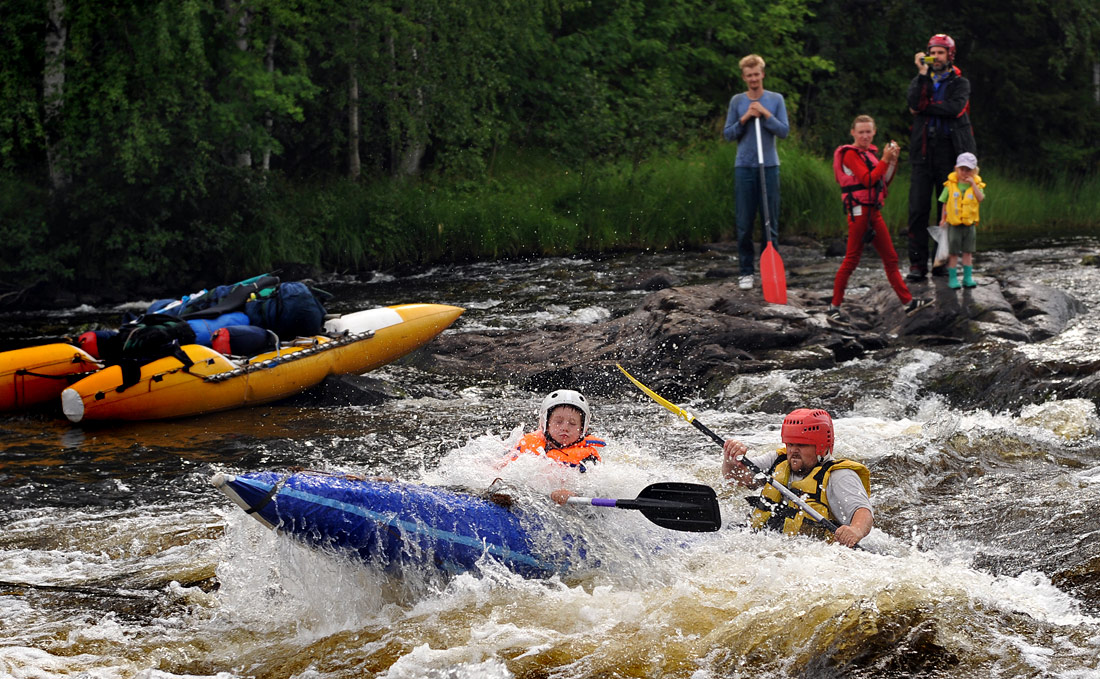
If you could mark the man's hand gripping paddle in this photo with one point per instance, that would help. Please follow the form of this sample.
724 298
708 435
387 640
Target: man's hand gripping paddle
786 492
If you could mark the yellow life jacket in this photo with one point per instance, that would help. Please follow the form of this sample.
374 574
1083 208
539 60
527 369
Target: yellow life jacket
962 206
774 512
576 455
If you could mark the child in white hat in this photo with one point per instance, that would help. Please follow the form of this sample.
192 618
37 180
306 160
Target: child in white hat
962 192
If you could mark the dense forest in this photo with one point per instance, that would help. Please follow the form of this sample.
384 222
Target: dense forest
166 139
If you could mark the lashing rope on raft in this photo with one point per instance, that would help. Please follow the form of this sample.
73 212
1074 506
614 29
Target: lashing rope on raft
315 348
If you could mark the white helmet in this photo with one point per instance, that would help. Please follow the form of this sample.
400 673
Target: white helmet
564 397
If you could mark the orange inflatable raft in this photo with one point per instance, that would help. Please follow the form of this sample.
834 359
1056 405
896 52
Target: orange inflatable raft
36 375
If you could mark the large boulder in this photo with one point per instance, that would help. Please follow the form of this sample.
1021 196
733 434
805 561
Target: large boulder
691 340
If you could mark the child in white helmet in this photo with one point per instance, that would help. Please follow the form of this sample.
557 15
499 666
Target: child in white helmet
564 416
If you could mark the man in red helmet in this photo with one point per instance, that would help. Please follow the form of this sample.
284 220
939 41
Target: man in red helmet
836 488
939 99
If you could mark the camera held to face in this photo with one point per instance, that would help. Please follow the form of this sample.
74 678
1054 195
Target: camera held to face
929 59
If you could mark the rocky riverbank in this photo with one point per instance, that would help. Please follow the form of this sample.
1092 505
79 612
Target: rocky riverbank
691 340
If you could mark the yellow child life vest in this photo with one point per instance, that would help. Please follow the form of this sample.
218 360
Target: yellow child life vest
962 207
774 512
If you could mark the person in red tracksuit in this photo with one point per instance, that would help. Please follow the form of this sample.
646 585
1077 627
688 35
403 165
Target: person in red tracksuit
863 180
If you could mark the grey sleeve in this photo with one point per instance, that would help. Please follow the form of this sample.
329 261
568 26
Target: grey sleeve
846 494
765 460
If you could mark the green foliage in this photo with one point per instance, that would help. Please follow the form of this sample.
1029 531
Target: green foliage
29 252
536 206
1030 66
484 129
622 79
21 133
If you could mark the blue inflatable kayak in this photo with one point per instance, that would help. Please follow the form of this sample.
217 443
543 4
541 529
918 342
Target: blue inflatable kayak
393 525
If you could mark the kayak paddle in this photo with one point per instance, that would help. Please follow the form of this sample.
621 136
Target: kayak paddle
773 277
689 507
783 490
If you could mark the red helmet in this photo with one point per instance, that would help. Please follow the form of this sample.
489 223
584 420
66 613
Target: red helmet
943 40
814 427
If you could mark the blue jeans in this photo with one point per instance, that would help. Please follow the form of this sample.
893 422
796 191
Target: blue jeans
747 195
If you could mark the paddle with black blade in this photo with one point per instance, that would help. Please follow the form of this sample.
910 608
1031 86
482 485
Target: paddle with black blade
773 277
689 507
783 490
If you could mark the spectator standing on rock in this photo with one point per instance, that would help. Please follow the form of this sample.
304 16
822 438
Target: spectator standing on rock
863 180
939 100
962 192
745 109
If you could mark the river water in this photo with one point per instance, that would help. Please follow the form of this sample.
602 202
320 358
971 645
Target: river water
118 559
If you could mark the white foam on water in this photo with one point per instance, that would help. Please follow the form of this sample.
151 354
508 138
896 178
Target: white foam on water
649 602
1069 419
482 304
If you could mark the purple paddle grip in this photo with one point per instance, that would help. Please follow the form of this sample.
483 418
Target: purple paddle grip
603 502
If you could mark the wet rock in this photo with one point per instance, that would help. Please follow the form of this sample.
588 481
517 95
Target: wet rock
651 280
692 340
1044 310
361 390
722 272
969 314
1001 377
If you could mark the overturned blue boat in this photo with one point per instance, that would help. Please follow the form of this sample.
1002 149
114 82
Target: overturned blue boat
390 524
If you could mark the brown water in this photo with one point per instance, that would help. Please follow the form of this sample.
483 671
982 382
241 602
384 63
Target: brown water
118 559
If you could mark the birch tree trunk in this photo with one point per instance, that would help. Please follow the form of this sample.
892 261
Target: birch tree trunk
53 95
354 164
414 149
406 151
269 65
243 15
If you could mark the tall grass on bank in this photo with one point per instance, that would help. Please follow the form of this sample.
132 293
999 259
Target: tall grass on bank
534 206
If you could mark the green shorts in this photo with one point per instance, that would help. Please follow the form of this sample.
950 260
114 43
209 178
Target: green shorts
961 239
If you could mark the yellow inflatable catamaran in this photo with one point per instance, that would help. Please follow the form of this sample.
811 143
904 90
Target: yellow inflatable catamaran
352 344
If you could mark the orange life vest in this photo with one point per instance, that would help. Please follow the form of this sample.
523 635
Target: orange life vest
851 190
584 451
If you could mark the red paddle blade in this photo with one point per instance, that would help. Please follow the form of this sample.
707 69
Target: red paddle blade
773 277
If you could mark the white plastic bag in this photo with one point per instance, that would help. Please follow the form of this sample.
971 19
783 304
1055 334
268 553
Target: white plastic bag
939 234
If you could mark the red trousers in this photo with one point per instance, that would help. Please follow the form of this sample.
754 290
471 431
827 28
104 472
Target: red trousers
857 226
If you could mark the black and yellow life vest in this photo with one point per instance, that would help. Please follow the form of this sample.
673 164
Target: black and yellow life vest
774 512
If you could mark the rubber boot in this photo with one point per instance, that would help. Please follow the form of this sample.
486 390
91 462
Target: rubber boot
968 277
953 278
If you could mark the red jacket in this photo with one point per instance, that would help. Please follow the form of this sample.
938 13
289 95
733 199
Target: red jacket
860 175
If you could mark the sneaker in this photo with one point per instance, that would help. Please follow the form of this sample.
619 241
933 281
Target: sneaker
745 283
834 315
916 274
916 305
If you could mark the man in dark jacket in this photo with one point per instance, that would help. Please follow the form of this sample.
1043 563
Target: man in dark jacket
939 99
